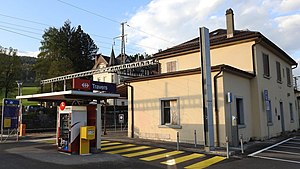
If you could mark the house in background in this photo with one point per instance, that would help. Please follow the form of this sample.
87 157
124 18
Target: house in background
119 106
252 88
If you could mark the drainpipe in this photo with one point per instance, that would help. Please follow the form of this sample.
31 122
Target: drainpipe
253 56
216 104
132 110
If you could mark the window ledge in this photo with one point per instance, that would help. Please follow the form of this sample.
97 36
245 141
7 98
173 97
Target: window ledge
292 121
279 81
267 77
170 126
270 124
240 126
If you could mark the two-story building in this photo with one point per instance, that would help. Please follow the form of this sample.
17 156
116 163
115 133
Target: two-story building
253 95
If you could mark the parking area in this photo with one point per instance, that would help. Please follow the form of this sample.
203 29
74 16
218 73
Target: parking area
286 151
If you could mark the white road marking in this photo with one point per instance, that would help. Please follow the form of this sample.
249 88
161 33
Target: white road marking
289 147
257 152
277 159
293 142
284 152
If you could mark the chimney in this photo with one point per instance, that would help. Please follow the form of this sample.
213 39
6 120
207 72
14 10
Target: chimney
229 23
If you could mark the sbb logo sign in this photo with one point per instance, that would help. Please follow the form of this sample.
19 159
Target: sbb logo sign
85 85
82 84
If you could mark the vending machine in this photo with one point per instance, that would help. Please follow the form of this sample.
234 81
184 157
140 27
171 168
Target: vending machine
69 121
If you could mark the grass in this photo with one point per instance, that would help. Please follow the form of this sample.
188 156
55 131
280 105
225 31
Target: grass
25 91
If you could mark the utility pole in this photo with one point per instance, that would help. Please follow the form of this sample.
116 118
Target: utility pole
123 57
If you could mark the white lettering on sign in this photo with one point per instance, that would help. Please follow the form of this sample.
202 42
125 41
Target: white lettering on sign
97 87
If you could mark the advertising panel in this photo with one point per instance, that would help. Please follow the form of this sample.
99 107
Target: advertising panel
10 113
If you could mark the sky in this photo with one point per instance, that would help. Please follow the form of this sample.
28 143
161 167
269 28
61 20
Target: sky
150 24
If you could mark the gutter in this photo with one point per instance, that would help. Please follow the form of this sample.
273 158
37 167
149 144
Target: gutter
216 104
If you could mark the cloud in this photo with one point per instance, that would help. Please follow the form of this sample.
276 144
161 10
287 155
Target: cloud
28 53
168 23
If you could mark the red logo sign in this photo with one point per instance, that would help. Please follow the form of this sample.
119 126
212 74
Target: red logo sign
82 84
62 106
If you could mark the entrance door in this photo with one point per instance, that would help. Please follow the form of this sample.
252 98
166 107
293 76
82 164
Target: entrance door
282 116
236 119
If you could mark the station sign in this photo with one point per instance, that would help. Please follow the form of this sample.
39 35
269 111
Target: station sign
89 85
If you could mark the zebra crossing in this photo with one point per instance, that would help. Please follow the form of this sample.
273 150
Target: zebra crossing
160 156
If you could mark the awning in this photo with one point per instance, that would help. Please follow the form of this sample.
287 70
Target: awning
69 95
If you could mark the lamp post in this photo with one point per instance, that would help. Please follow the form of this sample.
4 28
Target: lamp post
19 83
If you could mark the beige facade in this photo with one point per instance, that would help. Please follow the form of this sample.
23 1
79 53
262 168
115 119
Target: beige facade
240 70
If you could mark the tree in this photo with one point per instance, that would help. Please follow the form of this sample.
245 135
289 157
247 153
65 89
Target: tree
10 69
65 50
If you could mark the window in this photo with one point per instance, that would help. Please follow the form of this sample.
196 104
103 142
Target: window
240 111
169 112
291 112
288 76
278 70
171 66
266 65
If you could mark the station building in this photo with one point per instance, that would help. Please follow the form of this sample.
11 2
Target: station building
252 86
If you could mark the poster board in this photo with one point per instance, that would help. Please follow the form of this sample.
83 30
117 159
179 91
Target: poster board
10 113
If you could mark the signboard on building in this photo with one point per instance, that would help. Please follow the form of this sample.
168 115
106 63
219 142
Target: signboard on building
89 85
102 86
82 84
10 113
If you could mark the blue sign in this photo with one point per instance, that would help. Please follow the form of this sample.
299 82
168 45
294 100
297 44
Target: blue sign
10 113
266 95
102 86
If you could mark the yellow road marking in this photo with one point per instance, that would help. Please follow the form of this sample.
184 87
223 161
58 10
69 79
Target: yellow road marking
110 144
127 150
116 147
104 141
159 156
206 163
144 152
182 159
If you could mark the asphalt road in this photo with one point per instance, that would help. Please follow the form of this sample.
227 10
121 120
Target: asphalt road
36 155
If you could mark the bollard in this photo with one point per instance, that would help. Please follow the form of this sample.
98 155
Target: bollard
195 134
227 147
242 144
177 141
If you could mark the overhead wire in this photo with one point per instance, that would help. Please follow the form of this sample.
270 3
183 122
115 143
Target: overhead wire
21 34
115 21
21 19
101 16
21 30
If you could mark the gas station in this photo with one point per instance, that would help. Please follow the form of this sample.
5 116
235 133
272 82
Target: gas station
78 129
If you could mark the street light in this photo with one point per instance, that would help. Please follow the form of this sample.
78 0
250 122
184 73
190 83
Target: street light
19 83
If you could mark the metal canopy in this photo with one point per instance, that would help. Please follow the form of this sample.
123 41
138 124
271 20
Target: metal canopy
68 95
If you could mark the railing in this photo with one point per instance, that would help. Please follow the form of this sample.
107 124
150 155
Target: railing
101 70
